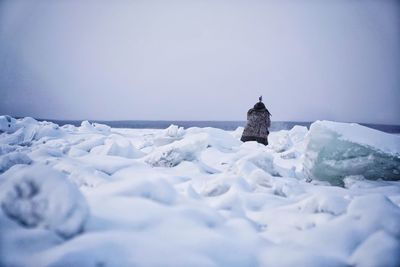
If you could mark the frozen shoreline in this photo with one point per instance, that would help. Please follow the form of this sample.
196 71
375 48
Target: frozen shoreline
99 196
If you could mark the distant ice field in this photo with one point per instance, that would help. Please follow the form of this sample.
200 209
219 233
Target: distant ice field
224 125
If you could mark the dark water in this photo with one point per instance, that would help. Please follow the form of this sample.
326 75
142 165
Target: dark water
225 125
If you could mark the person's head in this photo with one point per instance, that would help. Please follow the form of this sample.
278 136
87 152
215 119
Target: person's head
259 106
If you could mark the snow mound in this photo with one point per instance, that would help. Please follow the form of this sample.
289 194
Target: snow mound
217 138
253 161
157 190
376 211
86 126
370 254
169 135
24 131
11 159
37 196
285 140
117 146
172 154
336 150
7 124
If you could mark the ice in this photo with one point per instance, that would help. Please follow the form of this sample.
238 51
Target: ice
99 196
336 150
7 124
88 127
10 159
38 196
172 154
116 145
169 135
26 130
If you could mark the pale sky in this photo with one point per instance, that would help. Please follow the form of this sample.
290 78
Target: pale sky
200 60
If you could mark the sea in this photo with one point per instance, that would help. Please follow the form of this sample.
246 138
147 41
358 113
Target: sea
225 125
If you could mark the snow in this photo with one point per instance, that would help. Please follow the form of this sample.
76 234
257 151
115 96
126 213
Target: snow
37 196
98 196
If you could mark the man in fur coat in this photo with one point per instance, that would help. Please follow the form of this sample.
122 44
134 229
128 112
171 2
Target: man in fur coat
258 121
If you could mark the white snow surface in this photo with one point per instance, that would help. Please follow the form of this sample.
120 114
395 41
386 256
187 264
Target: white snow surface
99 196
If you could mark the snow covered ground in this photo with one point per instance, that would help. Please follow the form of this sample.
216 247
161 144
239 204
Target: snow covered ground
97 196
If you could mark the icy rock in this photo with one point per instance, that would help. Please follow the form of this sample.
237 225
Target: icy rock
11 159
38 196
172 154
335 150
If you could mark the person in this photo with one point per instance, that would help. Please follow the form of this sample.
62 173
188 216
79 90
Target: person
258 122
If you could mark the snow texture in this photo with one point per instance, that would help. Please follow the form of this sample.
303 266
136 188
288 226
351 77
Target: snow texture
98 196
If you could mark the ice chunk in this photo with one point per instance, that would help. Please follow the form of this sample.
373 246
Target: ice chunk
102 127
326 203
253 161
174 131
237 134
284 140
4 149
90 143
172 154
47 130
11 159
38 196
86 126
298 133
7 124
24 131
217 138
169 135
280 141
117 146
336 150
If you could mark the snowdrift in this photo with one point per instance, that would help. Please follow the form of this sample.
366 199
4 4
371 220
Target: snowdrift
98 196
40 197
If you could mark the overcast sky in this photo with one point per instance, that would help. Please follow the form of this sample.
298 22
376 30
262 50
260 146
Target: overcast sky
200 60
